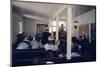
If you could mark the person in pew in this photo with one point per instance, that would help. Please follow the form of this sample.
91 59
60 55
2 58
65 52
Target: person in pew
30 37
80 42
86 44
36 42
49 47
75 45
20 38
83 42
60 53
51 44
25 44
52 48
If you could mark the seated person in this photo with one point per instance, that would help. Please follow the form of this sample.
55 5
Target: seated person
25 44
53 50
20 38
75 47
51 45
35 42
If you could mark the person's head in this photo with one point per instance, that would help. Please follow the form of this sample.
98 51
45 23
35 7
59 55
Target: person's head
46 28
74 40
62 25
80 37
20 37
84 36
24 34
51 39
30 38
37 37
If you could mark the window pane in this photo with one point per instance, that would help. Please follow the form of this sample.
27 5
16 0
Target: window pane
54 23
50 23
54 29
20 26
49 29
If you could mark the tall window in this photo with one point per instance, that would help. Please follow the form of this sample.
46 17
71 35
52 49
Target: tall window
52 27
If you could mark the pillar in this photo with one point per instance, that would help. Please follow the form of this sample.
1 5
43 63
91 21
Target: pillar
69 31
57 27
89 32
51 28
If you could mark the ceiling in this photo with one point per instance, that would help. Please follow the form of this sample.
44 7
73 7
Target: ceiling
46 11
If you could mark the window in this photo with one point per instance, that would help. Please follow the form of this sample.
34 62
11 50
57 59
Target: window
20 26
53 25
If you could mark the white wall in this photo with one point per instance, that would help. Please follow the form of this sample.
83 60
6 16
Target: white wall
30 25
86 18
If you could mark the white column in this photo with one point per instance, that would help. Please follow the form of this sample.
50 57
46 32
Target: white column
51 27
89 32
69 31
57 27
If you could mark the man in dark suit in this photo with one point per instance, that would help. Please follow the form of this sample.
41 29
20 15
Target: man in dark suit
45 36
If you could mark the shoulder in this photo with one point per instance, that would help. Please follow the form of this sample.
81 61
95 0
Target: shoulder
22 45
